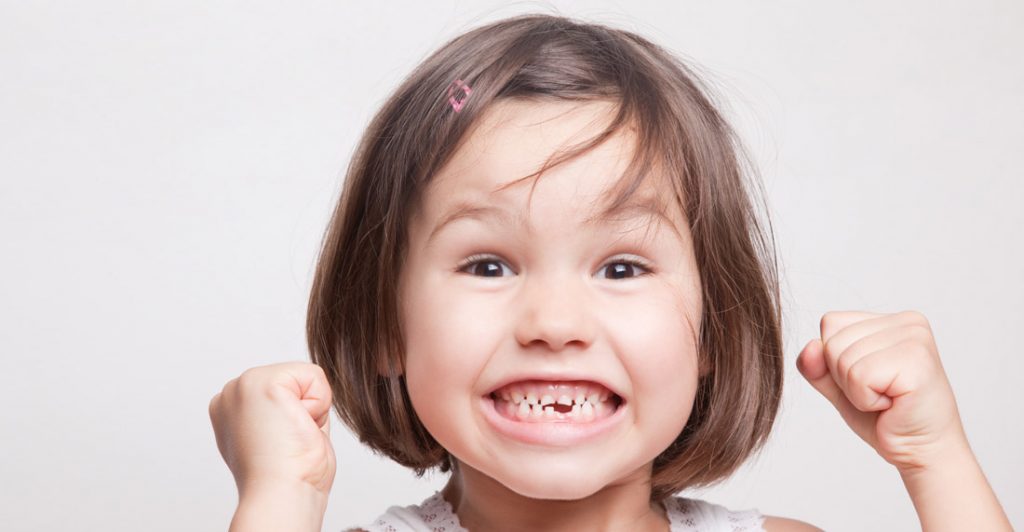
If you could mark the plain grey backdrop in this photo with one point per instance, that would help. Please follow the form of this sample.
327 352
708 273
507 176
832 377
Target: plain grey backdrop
167 169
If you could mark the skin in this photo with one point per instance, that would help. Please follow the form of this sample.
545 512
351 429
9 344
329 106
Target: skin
883 375
561 300
553 303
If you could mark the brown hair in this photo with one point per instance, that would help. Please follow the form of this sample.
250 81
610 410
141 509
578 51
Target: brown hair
353 326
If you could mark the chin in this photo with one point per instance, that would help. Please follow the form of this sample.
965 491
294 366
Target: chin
564 491
552 483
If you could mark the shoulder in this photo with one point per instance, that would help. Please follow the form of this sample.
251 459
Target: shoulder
774 523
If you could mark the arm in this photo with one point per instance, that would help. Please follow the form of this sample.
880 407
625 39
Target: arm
883 374
272 427
955 496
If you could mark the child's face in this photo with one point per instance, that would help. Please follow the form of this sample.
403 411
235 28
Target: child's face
551 300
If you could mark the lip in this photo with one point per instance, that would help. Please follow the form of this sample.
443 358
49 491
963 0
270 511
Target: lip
551 434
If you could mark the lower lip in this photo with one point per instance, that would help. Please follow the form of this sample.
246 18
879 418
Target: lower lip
550 433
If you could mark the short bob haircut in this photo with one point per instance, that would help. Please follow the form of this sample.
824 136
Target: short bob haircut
353 327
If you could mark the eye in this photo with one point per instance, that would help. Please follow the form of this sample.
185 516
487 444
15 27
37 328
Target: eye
491 266
484 266
625 269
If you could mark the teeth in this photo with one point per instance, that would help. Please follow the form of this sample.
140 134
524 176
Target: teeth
583 408
535 401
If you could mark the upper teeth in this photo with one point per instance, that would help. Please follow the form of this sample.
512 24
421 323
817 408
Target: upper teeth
549 393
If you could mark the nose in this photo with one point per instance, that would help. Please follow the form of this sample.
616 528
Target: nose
555 311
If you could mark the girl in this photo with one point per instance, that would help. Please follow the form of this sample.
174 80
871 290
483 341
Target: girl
545 276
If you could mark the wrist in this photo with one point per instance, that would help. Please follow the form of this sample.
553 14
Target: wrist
279 505
942 462
939 488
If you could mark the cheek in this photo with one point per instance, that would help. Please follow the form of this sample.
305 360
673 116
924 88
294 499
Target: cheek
448 339
659 320
663 359
660 355
448 327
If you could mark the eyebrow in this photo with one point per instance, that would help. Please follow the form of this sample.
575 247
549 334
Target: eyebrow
469 210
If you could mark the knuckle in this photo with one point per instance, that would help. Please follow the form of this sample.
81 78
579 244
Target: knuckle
856 373
916 318
825 320
845 366
920 333
922 353
831 350
918 354
248 380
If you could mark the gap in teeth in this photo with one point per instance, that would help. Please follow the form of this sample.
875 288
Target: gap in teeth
562 404
560 397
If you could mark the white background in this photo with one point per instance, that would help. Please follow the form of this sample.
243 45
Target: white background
167 168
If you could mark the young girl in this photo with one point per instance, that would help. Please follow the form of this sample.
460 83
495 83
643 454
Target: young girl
545 276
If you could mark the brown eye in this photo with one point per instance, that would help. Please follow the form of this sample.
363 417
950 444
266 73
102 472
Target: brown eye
484 267
624 269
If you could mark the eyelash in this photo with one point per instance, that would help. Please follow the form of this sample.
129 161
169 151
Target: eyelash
637 262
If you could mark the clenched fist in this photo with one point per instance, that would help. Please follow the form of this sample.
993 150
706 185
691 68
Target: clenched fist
883 373
272 427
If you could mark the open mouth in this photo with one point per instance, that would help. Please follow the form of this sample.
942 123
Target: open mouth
560 402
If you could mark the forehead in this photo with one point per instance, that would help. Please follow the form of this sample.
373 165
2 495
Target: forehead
484 178
514 138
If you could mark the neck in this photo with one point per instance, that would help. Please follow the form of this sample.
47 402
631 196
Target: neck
483 503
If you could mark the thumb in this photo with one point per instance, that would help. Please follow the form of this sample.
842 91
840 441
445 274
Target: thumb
812 365
309 383
326 427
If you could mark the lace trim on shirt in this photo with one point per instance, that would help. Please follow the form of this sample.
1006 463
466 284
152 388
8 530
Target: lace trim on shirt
433 514
684 515
692 515
437 513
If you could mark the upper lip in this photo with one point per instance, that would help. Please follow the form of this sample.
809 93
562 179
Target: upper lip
554 377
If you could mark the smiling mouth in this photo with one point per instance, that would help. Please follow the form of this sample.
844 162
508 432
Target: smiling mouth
559 402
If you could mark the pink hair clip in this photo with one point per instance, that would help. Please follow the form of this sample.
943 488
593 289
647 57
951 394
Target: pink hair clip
457 103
